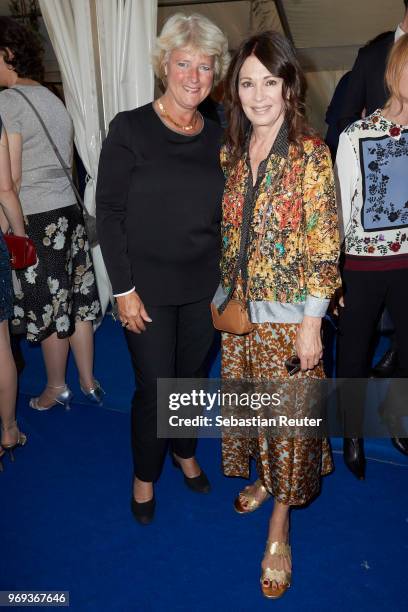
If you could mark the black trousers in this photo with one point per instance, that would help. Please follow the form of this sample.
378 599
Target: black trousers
365 295
175 345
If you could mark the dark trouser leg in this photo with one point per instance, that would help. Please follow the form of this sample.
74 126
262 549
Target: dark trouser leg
364 296
395 403
195 334
397 304
153 354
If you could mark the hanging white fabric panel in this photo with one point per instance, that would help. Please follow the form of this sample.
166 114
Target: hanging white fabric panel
127 29
112 51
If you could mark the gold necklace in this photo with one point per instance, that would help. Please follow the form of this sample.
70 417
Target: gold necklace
185 128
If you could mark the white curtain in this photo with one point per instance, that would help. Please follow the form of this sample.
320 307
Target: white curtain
126 35
103 50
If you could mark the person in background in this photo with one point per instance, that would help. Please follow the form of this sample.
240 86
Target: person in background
280 251
367 91
333 113
11 217
158 216
58 299
371 165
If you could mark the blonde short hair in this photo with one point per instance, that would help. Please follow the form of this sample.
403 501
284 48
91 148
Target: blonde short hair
397 59
195 32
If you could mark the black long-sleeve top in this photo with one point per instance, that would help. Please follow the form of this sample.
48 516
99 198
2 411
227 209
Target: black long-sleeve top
366 88
158 208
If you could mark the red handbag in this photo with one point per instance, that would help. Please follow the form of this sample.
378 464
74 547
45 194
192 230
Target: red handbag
22 251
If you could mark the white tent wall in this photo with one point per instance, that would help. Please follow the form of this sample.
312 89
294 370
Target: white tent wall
264 16
234 18
338 23
320 88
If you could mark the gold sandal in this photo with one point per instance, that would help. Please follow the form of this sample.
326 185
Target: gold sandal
251 502
281 577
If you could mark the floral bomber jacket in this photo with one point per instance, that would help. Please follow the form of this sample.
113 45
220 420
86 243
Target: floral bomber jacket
298 259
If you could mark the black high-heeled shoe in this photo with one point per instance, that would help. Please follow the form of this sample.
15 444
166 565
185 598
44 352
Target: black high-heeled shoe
199 484
143 511
353 455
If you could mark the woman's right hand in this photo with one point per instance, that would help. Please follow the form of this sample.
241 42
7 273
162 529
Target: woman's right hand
132 312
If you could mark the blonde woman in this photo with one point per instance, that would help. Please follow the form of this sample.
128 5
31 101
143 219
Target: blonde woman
158 212
371 163
10 206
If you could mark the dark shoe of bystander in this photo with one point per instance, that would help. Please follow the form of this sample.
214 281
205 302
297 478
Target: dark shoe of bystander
387 364
353 455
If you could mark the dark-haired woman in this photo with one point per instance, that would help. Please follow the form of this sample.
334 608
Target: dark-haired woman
280 250
58 299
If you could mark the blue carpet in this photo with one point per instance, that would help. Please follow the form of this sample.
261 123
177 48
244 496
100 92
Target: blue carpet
66 522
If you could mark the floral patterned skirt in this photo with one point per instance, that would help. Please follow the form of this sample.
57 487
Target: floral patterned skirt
6 289
289 468
60 288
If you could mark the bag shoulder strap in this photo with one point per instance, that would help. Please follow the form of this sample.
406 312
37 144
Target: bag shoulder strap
55 149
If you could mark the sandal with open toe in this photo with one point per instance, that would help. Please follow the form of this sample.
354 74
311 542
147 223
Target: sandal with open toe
248 502
282 578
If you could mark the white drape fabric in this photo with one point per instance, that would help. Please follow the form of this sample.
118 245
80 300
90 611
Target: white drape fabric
127 29
125 32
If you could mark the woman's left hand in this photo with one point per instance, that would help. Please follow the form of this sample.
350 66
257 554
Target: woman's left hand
308 343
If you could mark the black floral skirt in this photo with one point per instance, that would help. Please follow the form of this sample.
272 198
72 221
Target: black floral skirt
60 288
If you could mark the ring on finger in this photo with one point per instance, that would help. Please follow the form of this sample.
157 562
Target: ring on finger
125 323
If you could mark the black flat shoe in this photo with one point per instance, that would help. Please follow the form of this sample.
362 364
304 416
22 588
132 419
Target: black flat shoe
143 511
401 444
353 455
199 484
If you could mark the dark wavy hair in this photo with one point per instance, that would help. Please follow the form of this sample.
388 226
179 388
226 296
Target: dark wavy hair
277 54
22 49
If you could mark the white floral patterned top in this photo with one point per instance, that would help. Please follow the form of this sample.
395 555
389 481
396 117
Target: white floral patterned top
371 169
